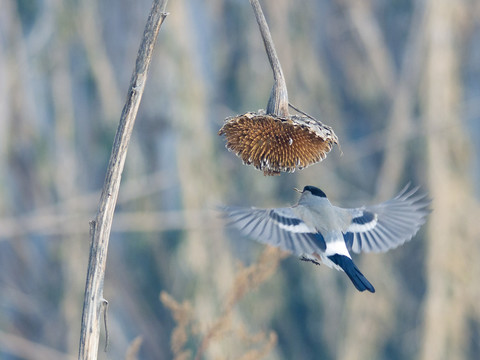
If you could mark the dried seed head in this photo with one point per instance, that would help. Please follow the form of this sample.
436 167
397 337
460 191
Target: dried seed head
274 144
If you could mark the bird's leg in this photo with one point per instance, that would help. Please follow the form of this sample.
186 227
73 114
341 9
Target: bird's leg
309 259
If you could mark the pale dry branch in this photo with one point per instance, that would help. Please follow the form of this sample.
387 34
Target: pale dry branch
93 300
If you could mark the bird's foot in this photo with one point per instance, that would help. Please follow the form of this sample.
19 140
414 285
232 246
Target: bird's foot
309 259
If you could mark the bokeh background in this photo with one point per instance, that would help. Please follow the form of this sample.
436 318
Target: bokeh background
398 80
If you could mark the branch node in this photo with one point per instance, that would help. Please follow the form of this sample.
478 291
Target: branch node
92 224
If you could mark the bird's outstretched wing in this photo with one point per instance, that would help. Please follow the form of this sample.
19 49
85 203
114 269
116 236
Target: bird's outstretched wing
385 226
278 227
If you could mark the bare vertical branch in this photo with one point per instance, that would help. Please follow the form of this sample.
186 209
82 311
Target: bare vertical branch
65 161
102 70
400 119
90 330
449 248
370 35
278 102
378 314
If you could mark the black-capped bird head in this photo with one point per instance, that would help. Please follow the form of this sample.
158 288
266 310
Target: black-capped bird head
313 190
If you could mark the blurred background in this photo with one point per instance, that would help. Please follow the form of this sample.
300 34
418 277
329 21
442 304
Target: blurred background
399 81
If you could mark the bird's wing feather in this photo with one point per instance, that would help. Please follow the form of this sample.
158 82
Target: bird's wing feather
385 226
278 227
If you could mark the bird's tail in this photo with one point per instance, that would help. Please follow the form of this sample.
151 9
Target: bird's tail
352 271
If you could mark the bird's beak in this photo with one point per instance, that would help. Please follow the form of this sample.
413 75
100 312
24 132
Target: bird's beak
297 190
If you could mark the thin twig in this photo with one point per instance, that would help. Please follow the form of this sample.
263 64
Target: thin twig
302 112
278 102
92 306
105 323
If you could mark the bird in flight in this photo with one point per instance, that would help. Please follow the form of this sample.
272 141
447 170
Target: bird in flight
319 232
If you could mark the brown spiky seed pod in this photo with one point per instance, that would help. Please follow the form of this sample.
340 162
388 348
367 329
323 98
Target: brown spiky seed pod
274 144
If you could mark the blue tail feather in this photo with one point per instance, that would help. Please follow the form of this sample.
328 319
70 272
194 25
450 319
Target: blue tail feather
357 278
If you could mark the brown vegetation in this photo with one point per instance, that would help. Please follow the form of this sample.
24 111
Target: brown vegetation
254 346
274 144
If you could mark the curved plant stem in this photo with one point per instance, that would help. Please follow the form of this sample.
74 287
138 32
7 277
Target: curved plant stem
101 226
278 102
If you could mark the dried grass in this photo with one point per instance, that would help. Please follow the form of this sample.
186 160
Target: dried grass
254 354
134 348
183 315
224 328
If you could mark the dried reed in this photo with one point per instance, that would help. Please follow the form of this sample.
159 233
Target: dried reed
247 279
